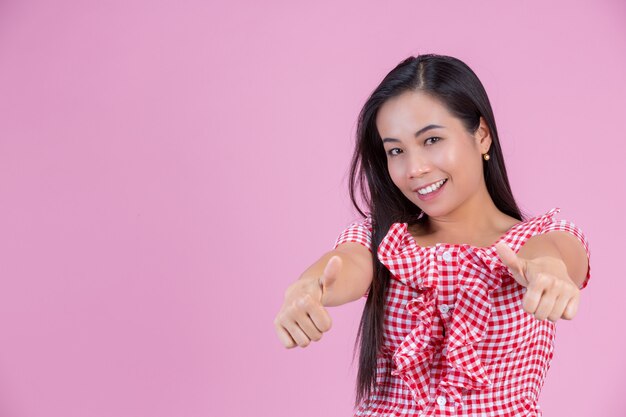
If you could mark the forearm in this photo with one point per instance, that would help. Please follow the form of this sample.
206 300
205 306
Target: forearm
558 245
537 246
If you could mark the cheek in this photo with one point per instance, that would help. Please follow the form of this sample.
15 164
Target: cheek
449 160
445 157
465 169
396 171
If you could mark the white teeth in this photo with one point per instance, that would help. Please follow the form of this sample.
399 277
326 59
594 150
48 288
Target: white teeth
431 188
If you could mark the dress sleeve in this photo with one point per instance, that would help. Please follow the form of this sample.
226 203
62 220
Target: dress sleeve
360 232
568 226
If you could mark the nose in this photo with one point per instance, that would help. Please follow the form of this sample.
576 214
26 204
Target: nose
418 165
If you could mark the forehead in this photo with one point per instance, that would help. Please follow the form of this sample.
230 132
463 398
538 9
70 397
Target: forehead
409 112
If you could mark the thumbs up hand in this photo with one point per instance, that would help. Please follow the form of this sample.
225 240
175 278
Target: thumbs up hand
328 277
550 292
303 317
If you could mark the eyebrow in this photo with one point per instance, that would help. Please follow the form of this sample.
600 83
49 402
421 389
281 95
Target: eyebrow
419 132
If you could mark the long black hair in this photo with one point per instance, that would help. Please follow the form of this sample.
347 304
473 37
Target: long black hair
458 88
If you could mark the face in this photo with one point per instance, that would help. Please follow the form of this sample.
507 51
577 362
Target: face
424 144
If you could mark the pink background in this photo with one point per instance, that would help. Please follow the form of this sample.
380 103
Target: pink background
168 168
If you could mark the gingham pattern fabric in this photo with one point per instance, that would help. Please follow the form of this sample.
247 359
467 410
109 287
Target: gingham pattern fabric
456 339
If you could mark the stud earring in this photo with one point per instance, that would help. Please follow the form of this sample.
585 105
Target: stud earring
486 156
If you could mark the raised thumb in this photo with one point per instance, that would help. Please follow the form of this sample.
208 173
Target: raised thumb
511 260
333 266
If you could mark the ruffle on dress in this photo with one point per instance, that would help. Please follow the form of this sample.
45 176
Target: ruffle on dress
417 267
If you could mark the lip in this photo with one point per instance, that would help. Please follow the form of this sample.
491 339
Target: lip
426 185
432 195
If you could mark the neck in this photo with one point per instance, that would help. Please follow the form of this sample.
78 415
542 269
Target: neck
476 216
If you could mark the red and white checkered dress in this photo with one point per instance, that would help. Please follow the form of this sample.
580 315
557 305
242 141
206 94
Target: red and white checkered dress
457 341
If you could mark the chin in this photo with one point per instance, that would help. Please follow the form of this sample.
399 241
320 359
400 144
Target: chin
437 212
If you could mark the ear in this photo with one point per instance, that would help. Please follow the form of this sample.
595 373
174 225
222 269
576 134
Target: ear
483 136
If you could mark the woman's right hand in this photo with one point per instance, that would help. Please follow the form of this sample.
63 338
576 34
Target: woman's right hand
303 317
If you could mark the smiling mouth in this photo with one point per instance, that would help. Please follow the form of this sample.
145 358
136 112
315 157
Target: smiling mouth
431 188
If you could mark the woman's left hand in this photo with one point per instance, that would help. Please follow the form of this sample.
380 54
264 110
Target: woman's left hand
550 292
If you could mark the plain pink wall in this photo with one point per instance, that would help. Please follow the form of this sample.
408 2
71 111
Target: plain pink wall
167 168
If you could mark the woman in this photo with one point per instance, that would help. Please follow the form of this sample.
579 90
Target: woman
463 293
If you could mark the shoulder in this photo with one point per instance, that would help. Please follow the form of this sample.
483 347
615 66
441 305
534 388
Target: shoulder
358 231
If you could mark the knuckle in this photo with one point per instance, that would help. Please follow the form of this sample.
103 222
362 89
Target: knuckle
542 279
278 320
304 301
288 314
292 310
538 279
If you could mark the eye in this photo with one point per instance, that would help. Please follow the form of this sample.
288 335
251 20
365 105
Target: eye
391 152
433 137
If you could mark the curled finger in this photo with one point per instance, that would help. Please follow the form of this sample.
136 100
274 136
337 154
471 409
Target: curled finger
546 304
297 334
285 337
571 309
308 327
